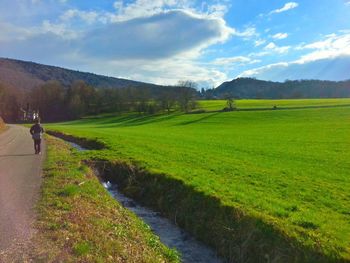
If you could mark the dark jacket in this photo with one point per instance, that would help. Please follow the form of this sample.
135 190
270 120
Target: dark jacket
36 128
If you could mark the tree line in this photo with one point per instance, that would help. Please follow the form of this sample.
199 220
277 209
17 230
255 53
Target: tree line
57 102
251 88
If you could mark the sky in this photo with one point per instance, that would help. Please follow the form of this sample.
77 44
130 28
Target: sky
167 41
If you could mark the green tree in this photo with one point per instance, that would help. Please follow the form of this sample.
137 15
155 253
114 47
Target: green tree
230 102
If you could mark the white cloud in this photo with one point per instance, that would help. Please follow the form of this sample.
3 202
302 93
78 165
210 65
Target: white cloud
280 36
259 71
247 33
9 32
260 53
259 42
218 10
336 68
58 29
162 48
164 71
330 59
234 60
145 8
272 47
88 17
158 36
332 46
286 7
162 35
156 41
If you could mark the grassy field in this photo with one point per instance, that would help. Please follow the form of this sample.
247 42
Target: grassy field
213 105
288 168
78 221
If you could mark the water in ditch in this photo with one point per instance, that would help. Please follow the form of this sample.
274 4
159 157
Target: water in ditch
171 235
77 146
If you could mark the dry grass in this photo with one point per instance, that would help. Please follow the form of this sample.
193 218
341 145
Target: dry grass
2 125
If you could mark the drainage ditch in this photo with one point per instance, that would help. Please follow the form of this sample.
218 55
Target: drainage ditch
171 235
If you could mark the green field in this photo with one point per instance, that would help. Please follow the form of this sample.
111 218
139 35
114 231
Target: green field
289 168
213 105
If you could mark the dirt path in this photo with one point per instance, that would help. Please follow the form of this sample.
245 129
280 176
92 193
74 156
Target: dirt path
20 179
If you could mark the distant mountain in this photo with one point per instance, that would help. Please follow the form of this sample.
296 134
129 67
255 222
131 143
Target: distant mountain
249 88
25 75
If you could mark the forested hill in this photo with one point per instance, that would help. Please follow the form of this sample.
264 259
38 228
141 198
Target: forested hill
24 75
249 88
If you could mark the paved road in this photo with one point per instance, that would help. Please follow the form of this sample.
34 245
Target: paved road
20 179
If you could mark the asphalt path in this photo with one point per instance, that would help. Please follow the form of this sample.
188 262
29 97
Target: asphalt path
20 180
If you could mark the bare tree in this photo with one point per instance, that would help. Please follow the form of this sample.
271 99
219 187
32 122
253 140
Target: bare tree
167 99
49 100
187 95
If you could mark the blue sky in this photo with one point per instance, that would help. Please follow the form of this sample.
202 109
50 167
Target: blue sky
165 41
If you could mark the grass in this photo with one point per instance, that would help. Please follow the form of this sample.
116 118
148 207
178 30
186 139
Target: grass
79 222
290 169
214 105
2 125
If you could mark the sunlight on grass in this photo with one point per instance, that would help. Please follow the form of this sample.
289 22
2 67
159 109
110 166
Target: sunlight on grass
212 105
287 167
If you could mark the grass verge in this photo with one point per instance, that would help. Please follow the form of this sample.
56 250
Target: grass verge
2 125
79 221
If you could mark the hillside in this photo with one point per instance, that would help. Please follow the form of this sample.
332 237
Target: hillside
249 88
27 75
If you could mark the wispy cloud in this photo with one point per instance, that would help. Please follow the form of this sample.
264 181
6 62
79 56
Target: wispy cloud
331 46
234 60
246 33
87 16
164 71
59 30
286 7
329 59
259 42
272 47
9 32
326 69
280 36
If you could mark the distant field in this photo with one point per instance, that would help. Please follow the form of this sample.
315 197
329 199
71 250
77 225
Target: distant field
290 168
212 105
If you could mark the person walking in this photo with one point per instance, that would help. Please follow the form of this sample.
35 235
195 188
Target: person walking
36 131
